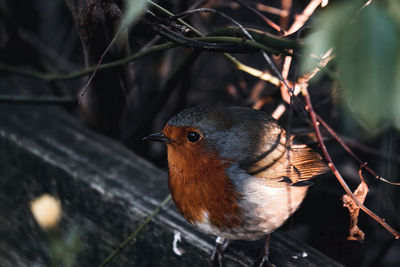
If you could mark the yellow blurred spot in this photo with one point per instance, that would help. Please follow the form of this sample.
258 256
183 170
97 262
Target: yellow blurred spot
46 210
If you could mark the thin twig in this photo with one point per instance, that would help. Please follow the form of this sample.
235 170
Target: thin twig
258 13
136 232
237 63
301 19
332 166
222 45
348 150
284 17
369 150
74 75
214 11
286 92
271 10
273 41
96 67
165 11
264 75
246 33
286 95
304 79
48 100
256 93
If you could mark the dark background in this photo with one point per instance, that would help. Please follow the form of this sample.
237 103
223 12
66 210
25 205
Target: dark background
128 102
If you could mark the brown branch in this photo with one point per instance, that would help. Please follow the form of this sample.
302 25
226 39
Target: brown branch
348 150
302 83
266 20
272 10
305 78
297 24
301 19
332 166
284 19
369 150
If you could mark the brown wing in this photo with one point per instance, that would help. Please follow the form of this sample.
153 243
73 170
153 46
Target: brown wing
306 163
279 169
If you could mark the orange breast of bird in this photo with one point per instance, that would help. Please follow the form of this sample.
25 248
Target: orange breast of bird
199 184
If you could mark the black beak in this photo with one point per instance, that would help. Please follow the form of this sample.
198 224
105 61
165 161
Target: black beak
158 137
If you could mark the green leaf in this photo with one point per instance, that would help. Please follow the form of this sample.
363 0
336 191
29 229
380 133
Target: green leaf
394 9
133 10
327 29
367 62
396 98
366 43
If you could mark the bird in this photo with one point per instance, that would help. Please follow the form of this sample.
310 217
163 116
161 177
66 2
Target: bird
235 173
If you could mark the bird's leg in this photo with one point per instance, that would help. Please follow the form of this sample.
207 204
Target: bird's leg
217 257
263 259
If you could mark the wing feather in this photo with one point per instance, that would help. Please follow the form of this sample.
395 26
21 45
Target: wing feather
279 169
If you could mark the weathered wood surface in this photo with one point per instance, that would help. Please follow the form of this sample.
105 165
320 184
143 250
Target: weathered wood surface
105 190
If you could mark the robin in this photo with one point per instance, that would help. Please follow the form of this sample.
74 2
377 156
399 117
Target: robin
234 173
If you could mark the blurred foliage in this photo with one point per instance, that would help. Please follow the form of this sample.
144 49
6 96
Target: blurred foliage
64 247
366 42
133 10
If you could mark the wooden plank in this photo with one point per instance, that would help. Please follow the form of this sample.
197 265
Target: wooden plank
106 190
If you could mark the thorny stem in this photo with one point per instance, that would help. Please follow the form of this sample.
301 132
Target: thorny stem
331 165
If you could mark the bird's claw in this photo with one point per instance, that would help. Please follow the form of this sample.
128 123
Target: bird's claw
217 257
263 261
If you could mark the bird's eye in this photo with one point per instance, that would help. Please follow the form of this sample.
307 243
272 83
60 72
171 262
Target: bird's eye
193 137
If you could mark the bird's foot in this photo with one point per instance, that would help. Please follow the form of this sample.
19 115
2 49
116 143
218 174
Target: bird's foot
263 261
217 257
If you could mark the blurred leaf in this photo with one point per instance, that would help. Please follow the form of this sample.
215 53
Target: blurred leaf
366 43
396 98
64 249
367 62
133 10
328 27
394 9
